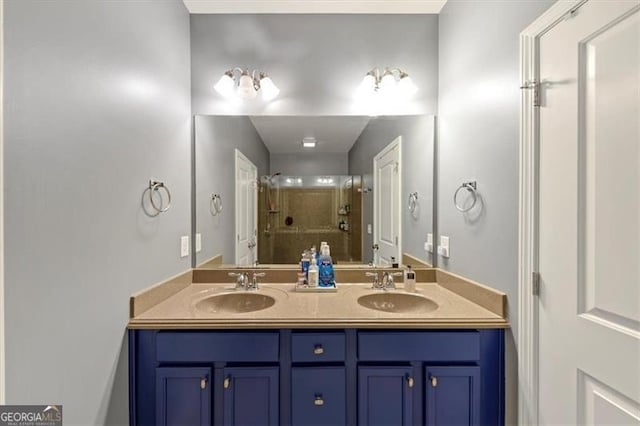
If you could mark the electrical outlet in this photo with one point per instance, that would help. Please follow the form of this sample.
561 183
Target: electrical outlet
184 246
443 248
198 243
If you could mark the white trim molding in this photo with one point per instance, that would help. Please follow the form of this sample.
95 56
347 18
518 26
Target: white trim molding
3 394
314 6
528 345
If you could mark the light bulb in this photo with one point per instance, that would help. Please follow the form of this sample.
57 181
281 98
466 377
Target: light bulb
368 84
406 85
225 85
269 90
246 90
387 83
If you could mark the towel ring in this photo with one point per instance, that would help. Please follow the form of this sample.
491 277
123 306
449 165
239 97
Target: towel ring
154 186
413 200
216 204
470 186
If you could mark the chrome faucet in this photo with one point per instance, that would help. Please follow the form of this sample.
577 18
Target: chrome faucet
242 279
254 281
387 280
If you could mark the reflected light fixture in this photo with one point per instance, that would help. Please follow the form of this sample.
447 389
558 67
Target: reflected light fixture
391 81
309 142
243 84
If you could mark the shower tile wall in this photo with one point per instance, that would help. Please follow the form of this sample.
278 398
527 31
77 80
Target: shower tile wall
314 217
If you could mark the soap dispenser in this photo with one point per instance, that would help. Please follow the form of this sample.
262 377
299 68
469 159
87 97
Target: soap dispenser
313 275
409 280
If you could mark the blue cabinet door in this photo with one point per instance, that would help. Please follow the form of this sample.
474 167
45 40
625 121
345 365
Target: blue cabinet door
183 396
251 396
318 396
385 396
453 396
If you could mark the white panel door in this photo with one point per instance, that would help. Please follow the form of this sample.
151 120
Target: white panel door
387 202
246 214
589 217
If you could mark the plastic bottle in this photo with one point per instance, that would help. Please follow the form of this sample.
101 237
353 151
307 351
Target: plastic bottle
326 274
313 275
409 280
304 264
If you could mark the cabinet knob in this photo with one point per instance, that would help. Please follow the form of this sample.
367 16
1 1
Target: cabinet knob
319 401
203 383
318 350
434 381
410 381
227 382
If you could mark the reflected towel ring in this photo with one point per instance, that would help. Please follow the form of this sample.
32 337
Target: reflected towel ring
470 186
154 186
216 204
413 200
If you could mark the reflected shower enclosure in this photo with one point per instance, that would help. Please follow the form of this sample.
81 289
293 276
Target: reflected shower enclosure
298 212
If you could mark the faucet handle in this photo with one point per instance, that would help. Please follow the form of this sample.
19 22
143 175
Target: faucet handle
241 278
259 274
395 274
254 281
375 278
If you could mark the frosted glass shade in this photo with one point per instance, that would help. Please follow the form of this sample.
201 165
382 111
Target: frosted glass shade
407 86
245 87
269 90
225 86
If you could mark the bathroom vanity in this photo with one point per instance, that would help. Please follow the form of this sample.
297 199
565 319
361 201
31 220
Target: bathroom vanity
317 359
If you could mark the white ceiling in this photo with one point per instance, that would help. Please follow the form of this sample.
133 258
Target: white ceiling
284 134
314 6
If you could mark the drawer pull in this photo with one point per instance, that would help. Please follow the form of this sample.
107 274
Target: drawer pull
318 350
434 381
203 383
319 401
410 381
227 382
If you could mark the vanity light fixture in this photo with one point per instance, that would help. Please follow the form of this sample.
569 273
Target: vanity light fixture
390 82
241 83
309 142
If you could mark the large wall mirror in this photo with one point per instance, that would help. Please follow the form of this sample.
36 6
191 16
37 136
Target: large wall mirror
263 193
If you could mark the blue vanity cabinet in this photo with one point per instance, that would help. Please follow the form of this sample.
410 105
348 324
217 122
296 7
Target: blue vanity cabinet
183 396
251 396
453 395
385 395
292 377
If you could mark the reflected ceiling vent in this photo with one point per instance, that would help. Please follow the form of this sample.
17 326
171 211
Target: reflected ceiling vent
309 142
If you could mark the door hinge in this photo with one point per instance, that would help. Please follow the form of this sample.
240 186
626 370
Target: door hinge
396 241
535 283
535 86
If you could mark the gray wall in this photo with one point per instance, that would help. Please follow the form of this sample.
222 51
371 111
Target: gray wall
316 60
310 164
478 139
96 103
217 137
417 175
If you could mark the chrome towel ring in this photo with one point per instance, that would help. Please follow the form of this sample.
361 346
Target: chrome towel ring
216 204
154 187
470 186
413 200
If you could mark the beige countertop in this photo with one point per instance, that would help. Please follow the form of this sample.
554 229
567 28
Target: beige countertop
159 307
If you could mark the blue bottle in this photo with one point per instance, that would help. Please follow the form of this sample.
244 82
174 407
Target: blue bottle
325 268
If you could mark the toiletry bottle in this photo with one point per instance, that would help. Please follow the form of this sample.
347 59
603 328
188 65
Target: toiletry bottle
409 280
325 268
394 263
313 275
304 264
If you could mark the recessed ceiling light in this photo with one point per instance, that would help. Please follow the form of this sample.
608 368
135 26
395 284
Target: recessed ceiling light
309 142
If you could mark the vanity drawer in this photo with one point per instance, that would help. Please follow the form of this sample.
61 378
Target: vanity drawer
211 346
318 396
317 347
449 346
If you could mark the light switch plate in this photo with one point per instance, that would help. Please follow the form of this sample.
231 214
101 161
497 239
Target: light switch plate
428 246
443 247
369 229
184 246
198 242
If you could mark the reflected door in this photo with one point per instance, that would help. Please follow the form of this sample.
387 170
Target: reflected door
386 204
246 210
589 217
